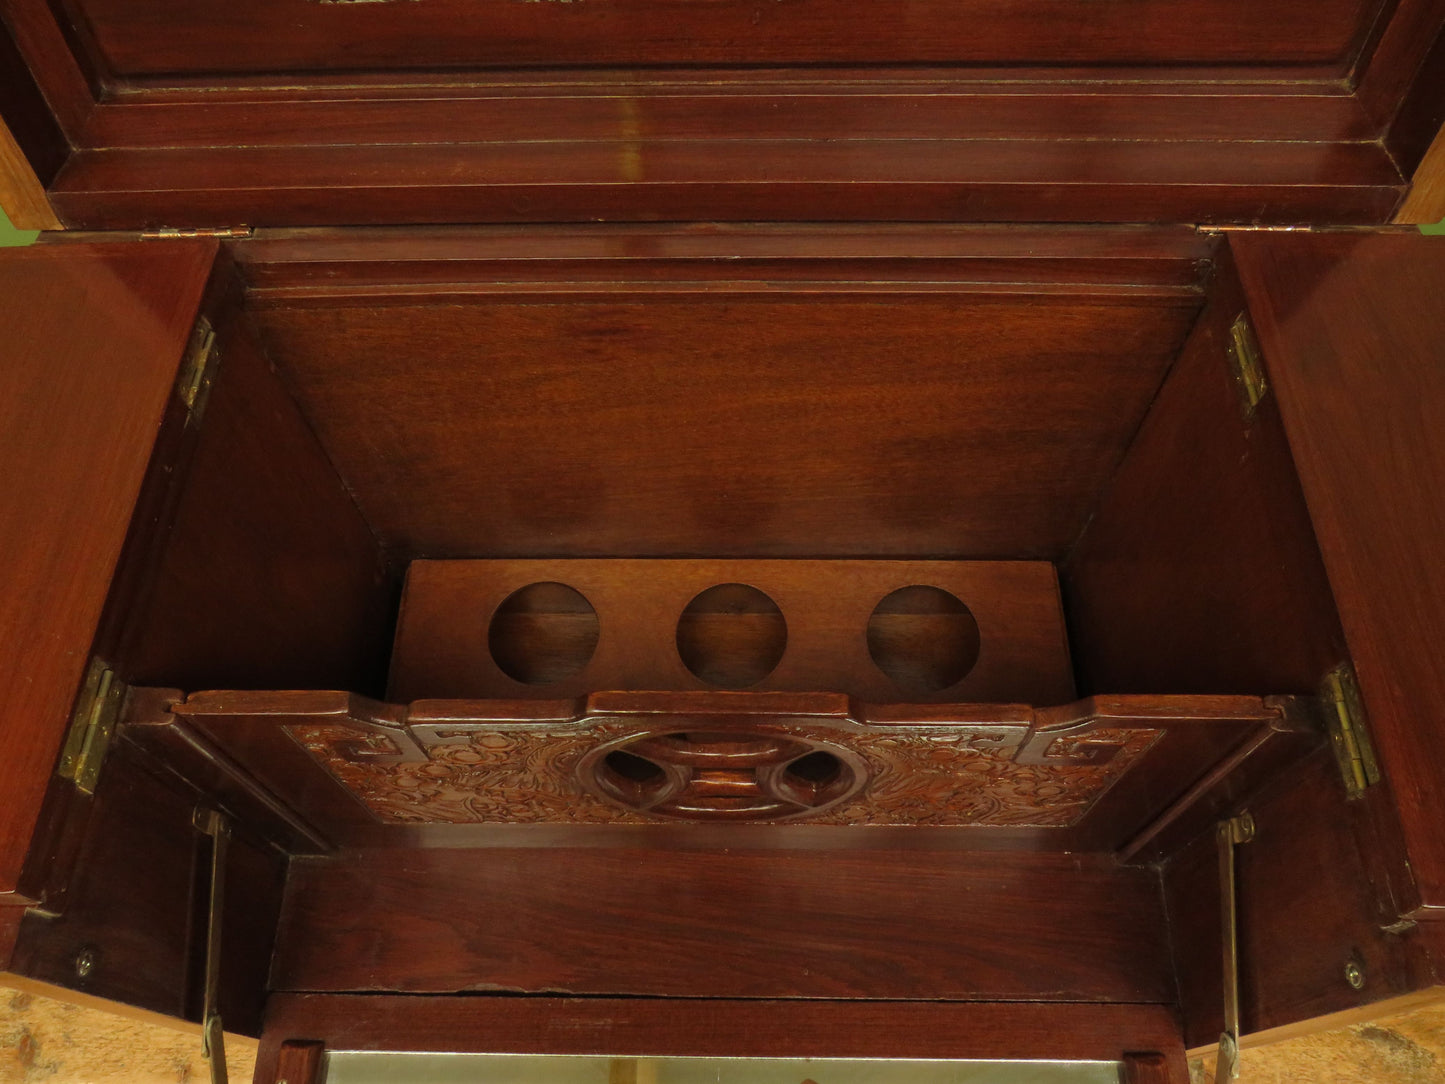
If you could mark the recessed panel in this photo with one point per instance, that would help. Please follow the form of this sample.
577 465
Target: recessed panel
957 424
170 37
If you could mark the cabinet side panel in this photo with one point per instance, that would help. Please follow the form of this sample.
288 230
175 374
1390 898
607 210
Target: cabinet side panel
1198 571
94 335
1353 334
269 575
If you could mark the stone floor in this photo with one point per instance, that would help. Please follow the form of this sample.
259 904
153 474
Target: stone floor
57 1043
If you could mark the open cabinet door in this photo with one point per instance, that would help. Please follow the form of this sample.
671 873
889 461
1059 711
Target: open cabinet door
1352 329
93 338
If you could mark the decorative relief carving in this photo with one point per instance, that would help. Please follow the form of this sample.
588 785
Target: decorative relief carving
926 775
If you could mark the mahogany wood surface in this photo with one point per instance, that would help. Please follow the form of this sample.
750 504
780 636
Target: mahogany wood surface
725 924
94 335
683 104
1351 327
722 1028
52 55
156 37
25 114
300 1063
1307 907
680 420
257 731
322 266
448 625
1199 570
266 575
1154 180
136 902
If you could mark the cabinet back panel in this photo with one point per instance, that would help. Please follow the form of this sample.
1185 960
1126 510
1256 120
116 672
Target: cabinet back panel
961 424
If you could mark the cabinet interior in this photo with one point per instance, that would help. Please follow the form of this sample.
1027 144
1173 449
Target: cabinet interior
838 504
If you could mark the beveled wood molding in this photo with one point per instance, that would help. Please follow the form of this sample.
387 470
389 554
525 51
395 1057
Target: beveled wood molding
1425 202
21 194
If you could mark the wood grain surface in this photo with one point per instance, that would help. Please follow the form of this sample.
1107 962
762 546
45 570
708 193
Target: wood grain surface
443 647
1199 570
266 574
726 924
94 337
695 423
1351 325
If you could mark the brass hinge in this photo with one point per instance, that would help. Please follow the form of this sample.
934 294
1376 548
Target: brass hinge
224 233
96 711
194 383
1349 730
1246 365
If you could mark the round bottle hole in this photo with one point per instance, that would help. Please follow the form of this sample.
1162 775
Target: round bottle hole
732 636
543 633
924 638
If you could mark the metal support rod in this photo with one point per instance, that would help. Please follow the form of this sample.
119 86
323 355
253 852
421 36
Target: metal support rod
1229 834
213 1042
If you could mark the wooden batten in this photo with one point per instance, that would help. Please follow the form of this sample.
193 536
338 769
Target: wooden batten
22 196
1426 201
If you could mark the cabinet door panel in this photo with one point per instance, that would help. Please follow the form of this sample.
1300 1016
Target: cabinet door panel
1352 328
94 334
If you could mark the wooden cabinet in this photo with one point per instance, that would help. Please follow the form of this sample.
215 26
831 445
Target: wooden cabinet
823 608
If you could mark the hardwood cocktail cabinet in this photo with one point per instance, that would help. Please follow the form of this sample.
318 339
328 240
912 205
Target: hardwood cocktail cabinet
724 529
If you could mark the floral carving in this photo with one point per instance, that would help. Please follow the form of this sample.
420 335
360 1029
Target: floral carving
933 776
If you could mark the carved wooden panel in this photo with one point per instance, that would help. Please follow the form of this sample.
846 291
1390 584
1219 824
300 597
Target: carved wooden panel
639 758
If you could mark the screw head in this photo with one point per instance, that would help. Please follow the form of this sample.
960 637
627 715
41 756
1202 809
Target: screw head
85 962
1355 975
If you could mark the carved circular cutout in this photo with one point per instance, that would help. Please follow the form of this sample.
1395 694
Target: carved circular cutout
924 638
732 636
543 633
736 775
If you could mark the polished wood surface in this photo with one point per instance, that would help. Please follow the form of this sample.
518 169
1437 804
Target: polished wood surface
154 37
775 923
1089 776
1199 570
94 337
135 908
299 1062
722 1028
684 419
1155 180
448 635
1350 325
1307 908
265 574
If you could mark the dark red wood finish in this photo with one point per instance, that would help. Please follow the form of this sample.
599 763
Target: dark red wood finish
968 420
726 924
95 334
264 572
1199 570
722 1028
1308 906
1351 327
136 904
447 637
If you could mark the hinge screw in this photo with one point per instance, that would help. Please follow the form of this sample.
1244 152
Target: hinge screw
1355 975
85 962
